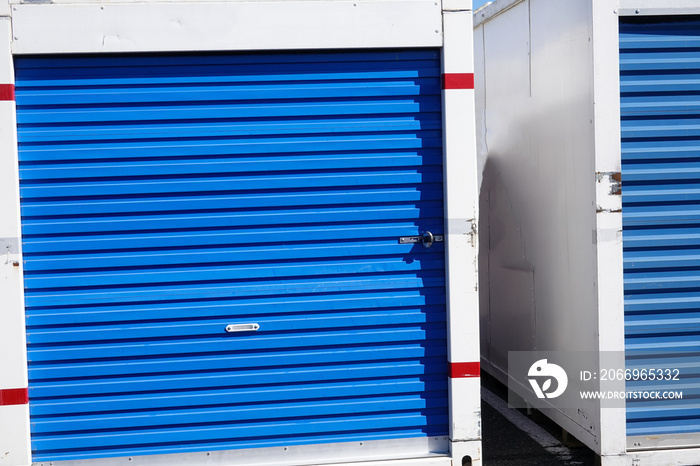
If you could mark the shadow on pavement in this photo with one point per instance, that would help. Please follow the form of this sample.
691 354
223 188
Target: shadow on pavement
505 444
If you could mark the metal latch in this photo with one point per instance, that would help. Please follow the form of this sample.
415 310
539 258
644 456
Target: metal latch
242 328
427 239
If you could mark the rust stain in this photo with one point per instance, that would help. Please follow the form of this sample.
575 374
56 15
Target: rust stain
611 211
616 181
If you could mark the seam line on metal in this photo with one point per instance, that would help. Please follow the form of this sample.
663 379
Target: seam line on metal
461 370
14 396
458 81
7 92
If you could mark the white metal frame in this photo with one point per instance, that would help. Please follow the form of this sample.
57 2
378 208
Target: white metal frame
461 220
117 26
657 7
608 228
14 417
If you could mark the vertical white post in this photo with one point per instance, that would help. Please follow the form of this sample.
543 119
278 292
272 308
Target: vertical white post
14 407
461 212
608 161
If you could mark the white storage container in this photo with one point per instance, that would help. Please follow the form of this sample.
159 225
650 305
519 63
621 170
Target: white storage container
587 136
238 232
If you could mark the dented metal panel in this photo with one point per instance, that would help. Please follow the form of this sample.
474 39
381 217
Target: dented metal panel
168 199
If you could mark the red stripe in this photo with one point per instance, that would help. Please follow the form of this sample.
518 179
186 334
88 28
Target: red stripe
458 81
459 370
14 396
7 92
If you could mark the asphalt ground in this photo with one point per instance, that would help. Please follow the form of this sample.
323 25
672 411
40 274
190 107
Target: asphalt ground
511 437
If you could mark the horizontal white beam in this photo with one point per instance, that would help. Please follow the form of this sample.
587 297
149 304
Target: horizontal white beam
236 25
658 8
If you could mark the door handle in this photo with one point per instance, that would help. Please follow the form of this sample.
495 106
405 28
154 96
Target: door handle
242 328
427 239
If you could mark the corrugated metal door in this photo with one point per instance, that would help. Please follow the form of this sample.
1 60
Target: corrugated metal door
660 98
165 198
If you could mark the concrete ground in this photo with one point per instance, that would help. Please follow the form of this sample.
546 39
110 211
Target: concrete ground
512 438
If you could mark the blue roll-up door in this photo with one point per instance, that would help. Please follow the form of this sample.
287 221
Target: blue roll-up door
660 98
166 198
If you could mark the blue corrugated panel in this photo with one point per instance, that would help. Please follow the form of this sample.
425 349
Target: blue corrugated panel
166 197
660 106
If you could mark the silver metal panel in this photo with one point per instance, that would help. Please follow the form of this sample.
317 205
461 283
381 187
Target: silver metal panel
538 189
291 455
491 10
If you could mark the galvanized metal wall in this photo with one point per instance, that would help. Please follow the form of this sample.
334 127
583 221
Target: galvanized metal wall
660 111
166 197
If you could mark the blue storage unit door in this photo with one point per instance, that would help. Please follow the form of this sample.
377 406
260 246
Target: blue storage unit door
168 199
660 98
